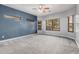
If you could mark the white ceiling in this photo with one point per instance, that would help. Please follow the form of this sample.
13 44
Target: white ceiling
29 8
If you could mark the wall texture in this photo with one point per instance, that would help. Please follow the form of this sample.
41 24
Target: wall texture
63 23
77 24
10 28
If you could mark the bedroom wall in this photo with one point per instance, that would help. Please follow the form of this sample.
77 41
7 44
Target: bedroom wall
63 23
77 24
10 28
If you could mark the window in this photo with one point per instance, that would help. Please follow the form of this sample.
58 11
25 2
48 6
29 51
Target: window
53 25
49 24
70 24
40 25
56 25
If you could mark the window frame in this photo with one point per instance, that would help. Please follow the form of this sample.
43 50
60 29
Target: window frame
71 24
53 24
39 24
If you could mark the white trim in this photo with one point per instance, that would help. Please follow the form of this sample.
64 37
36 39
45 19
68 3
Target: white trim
10 39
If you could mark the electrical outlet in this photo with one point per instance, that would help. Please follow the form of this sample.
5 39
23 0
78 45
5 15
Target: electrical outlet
3 36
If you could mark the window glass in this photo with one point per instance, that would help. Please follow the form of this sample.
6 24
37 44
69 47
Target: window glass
53 24
40 25
70 24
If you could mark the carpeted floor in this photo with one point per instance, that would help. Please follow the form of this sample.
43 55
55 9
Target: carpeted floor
38 44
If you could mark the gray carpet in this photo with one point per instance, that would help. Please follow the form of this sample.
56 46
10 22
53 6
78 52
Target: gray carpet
38 44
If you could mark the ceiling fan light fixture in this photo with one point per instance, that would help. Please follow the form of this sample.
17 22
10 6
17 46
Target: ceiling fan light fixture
43 8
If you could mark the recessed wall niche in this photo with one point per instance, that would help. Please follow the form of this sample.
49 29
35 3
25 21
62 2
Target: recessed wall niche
16 18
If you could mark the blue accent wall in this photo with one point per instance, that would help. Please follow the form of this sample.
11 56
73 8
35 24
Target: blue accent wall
10 28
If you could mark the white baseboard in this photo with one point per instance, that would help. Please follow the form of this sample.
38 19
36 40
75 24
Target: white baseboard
10 39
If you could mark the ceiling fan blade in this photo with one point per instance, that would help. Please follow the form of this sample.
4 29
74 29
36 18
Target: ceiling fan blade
46 8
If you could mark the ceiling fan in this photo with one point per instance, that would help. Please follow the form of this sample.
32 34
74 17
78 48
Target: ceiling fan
43 8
